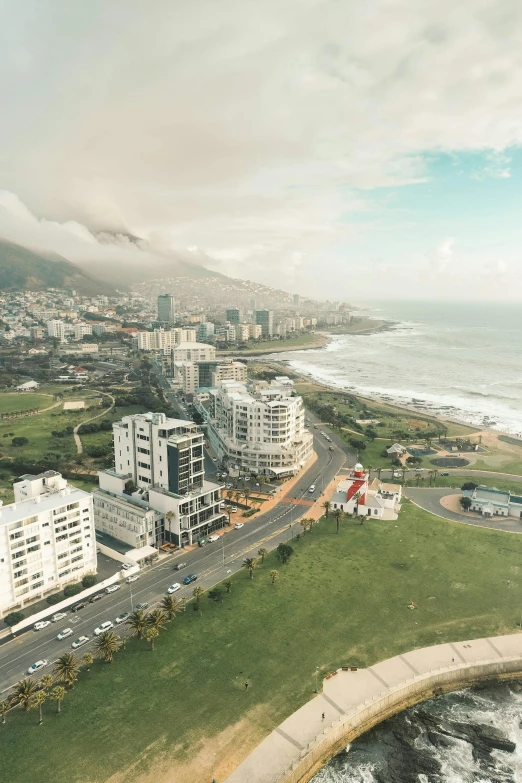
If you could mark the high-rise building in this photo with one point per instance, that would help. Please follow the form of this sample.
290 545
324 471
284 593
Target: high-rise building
56 330
265 319
47 538
234 316
296 300
253 304
80 330
166 309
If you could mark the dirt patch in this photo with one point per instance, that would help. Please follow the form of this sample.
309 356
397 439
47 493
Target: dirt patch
417 424
450 462
214 756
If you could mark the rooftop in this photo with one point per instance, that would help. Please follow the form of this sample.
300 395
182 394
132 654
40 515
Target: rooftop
50 499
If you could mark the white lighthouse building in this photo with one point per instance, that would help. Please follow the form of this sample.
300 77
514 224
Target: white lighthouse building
355 494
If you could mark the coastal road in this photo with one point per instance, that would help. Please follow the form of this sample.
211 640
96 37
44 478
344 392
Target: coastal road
211 563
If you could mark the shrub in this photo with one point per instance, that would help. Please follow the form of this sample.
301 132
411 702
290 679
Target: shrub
20 441
55 598
13 618
469 485
71 590
89 580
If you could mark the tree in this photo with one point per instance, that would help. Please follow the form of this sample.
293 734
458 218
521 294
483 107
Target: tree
198 594
170 606
150 635
465 503
37 702
215 595
468 485
89 580
304 524
13 618
262 554
337 514
284 553
137 622
169 516
88 659
58 695
327 506
274 576
19 441
250 564
107 644
66 669
228 585
246 494
4 709
157 619
47 681
24 692
71 590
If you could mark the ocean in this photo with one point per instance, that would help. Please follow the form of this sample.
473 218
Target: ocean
462 361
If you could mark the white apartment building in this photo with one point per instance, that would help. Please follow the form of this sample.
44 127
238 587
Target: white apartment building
47 539
165 340
192 375
164 458
80 330
56 330
193 352
260 427
255 331
127 518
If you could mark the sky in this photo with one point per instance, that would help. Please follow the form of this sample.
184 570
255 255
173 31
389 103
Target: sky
346 150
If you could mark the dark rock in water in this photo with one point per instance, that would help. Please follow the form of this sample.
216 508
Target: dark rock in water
406 764
516 686
439 740
493 738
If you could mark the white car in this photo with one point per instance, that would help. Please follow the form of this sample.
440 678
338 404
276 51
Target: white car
58 616
41 625
238 525
121 618
37 666
65 633
112 588
174 588
419 470
233 509
78 643
311 488
210 539
125 566
396 474
222 504
132 578
106 626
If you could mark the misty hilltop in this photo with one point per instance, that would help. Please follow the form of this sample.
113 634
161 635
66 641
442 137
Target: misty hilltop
22 269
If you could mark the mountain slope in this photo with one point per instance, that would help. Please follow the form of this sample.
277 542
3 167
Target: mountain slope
23 269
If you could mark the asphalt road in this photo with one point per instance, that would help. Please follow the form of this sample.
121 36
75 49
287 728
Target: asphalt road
429 499
211 563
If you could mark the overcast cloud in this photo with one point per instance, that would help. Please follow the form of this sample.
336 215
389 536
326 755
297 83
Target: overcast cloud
256 132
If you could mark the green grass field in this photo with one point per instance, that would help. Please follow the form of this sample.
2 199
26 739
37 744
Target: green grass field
299 342
342 599
12 402
457 481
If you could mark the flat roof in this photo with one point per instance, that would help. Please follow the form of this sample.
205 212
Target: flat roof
14 512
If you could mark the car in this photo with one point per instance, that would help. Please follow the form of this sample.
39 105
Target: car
311 488
174 588
211 539
112 588
132 578
125 566
179 566
190 578
106 626
121 618
37 666
331 448
239 525
64 634
396 474
202 541
141 607
78 643
77 607
222 504
234 509
444 474
58 616
419 470
41 625
95 598
328 438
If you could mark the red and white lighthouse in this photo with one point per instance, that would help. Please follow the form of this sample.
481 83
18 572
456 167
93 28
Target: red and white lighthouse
357 484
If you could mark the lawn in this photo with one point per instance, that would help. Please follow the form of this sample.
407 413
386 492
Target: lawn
13 402
298 342
457 481
342 599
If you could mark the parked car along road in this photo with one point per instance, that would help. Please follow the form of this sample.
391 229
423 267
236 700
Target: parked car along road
41 625
211 539
95 598
132 578
58 616
238 525
112 588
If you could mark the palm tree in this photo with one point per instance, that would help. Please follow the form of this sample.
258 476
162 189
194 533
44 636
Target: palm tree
170 606
4 709
246 494
150 634
58 695
157 619
66 669
311 523
230 494
47 681
107 644
24 692
250 564
327 506
435 474
237 496
337 514
379 472
304 524
88 659
262 553
274 576
357 498
169 516
198 593
228 585
37 703
137 622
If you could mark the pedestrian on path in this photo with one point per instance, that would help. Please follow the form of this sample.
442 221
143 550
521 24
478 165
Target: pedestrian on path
322 716
246 685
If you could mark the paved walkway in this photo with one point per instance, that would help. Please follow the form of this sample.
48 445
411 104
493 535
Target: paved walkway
79 447
429 499
351 698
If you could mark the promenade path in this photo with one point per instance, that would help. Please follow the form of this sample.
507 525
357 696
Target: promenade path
352 701
77 440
